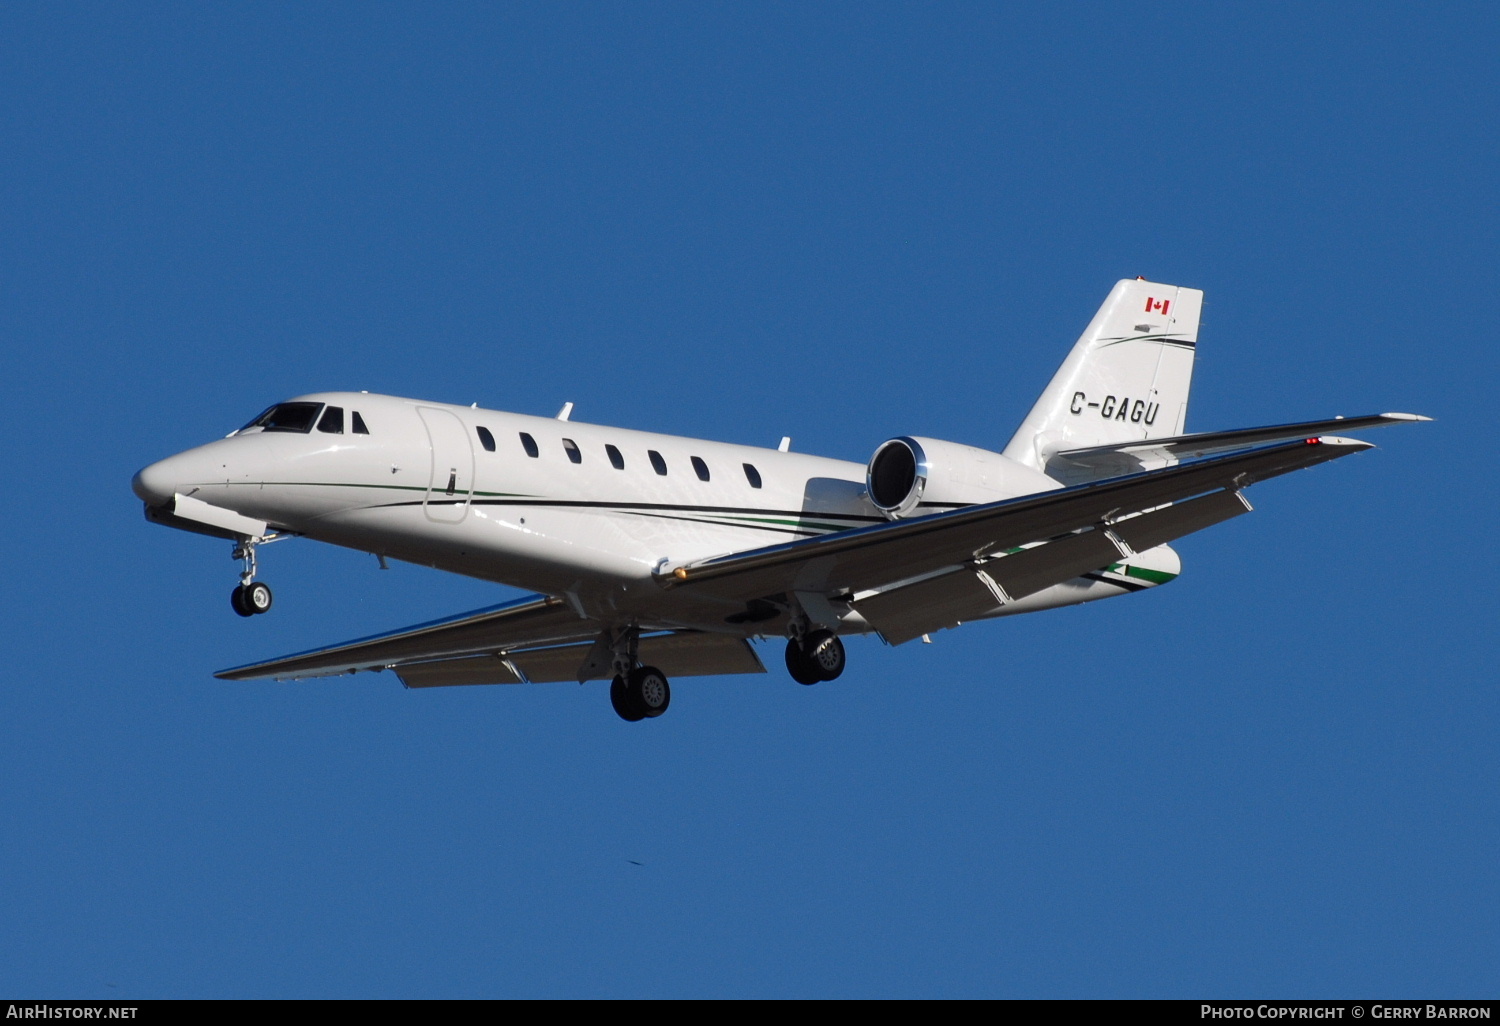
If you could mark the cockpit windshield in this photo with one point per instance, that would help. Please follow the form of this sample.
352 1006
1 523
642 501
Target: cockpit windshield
298 417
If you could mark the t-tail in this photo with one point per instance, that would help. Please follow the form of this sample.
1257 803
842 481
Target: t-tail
1126 380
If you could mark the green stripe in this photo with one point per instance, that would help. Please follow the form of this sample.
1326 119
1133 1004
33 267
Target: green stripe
712 523
1141 573
800 524
387 487
803 525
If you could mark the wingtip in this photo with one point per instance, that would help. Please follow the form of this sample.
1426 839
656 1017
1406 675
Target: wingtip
1413 417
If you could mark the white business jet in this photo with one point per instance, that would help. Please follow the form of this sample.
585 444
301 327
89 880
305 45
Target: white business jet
653 556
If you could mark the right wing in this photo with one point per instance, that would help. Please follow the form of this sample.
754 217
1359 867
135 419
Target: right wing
1082 528
1077 466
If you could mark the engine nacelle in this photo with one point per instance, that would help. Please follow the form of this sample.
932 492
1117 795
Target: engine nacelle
908 476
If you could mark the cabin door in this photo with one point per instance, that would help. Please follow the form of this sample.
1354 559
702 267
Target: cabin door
452 482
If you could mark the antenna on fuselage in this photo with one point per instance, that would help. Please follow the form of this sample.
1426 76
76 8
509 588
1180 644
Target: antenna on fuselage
786 444
565 412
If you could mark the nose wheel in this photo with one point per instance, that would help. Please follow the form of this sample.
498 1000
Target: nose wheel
249 596
248 600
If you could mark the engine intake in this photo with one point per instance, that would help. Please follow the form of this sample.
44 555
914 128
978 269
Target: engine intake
909 475
897 476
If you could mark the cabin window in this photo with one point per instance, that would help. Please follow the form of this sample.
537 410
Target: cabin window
529 444
752 475
332 421
700 468
657 463
359 424
572 449
615 459
298 417
485 438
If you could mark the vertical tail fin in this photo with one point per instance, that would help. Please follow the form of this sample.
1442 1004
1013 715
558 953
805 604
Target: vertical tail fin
1126 380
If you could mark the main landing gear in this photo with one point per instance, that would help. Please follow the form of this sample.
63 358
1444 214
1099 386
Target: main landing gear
813 654
249 596
641 694
817 656
637 692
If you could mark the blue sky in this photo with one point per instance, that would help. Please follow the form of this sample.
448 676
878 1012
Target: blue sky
1276 776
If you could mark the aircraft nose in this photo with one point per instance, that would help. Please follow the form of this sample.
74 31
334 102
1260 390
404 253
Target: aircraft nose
155 484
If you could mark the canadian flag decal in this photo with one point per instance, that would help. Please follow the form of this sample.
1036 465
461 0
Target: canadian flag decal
1158 306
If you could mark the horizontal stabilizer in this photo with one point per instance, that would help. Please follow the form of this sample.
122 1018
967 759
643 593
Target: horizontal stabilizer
1095 463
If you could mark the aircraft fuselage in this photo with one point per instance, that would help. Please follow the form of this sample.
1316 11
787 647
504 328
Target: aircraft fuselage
559 507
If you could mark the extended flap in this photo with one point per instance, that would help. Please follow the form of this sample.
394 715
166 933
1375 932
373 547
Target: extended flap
684 654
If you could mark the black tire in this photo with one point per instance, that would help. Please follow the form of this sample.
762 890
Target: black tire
799 666
256 598
619 697
237 601
824 653
649 690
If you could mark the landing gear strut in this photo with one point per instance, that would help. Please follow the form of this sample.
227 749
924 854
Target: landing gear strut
249 596
637 692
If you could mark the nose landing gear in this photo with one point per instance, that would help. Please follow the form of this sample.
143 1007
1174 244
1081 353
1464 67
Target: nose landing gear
249 596
251 599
